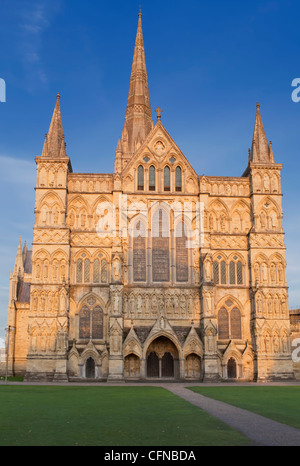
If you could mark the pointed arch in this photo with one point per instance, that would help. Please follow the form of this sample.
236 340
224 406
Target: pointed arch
219 215
240 216
91 318
220 268
229 319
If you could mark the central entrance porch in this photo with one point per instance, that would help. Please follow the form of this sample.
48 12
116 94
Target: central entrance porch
162 359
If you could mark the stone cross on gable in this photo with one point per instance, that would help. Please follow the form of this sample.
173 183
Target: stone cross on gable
159 112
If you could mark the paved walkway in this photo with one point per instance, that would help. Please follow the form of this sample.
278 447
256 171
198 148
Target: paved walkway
262 431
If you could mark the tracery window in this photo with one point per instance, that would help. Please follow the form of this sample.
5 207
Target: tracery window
91 322
91 272
160 247
236 271
229 322
220 276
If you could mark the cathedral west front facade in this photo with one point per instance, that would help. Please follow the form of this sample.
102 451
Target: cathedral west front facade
151 272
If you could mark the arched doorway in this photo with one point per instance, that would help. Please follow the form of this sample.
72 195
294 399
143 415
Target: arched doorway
231 369
90 368
132 366
193 366
162 359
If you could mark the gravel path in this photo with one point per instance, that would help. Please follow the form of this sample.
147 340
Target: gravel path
262 431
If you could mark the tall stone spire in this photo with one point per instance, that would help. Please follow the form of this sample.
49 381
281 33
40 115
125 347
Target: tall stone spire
138 119
260 150
54 145
19 263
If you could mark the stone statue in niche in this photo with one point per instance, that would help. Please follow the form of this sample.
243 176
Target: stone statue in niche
116 300
117 269
262 219
207 270
116 346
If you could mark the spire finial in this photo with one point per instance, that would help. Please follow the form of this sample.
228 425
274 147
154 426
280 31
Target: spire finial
159 112
257 106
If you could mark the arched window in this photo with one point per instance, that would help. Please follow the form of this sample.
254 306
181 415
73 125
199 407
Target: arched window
167 179
160 247
96 274
91 322
239 273
216 273
223 324
141 178
152 178
235 323
139 252
79 271
229 322
182 258
220 275
97 323
232 273
236 271
178 179
98 270
104 271
87 271
84 322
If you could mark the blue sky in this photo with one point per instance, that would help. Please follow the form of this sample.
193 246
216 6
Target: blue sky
208 63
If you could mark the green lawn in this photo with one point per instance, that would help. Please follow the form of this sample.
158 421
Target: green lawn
281 404
110 416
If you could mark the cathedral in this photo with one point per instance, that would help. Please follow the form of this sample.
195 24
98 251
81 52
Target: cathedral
151 272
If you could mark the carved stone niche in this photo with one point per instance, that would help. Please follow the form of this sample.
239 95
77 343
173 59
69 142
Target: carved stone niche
116 293
207 268
117 268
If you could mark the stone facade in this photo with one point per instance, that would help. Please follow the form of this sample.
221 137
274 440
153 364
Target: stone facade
152 271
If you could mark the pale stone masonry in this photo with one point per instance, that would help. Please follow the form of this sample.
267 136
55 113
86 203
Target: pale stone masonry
152 272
